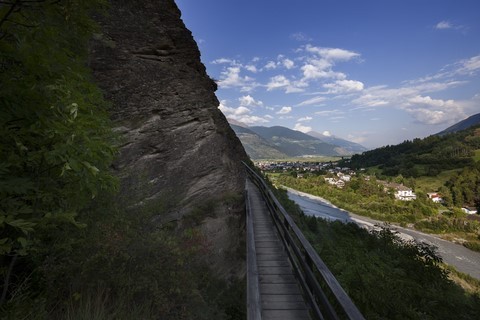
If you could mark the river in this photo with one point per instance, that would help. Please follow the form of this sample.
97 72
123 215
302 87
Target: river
463 259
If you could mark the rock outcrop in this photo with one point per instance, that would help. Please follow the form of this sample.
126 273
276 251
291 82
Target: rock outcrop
178 151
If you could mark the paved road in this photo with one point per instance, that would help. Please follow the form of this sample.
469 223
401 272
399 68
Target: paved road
463 259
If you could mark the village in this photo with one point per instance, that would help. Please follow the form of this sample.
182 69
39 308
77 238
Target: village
339 176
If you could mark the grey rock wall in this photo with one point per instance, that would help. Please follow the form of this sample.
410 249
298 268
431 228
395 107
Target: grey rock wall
177 148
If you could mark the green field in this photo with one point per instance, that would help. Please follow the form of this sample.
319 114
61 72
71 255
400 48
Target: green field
431 184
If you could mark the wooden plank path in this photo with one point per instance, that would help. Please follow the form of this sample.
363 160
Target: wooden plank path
280 293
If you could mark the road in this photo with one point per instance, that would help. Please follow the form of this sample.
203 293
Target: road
463 259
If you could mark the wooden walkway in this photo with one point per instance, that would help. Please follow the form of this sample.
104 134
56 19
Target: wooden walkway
280 294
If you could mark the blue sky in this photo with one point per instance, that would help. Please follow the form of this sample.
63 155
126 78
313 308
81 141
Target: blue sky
373 72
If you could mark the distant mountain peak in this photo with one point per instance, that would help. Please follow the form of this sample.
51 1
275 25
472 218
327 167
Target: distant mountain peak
462 125
281 142
348 146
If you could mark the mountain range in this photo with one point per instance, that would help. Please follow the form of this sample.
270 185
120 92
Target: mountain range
349 146
280 142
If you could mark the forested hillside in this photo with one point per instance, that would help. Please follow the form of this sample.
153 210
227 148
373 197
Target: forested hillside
423 157
457 152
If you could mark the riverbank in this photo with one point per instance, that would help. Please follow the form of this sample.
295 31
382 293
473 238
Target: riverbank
463 259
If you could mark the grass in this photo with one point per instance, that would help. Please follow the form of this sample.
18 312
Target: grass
431 184
272 175
476 157
467 282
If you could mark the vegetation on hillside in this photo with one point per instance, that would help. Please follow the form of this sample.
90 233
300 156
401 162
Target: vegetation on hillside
68 249
420 157
368 198
445 164
387 278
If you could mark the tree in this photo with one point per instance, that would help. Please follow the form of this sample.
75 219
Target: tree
56 142
446 196
457 196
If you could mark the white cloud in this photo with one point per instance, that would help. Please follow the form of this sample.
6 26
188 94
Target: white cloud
434 111
287 63
427 116
329 113
295 88
443 25
302 128
241 111
306 119
277 82
344 86
233 111
270 65
231 78
284 110
427 101
327 133
332 54
319 64
317 71
242 114
249 101
251 68
316 100
469 66
223 61
252 120
464 67
412 99
300 36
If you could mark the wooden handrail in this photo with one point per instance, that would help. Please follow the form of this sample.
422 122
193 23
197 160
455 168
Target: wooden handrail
253 289
306 261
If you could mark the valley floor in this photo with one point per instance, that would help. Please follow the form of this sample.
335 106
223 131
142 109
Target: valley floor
463 259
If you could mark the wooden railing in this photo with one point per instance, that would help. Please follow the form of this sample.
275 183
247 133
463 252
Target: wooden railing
253 290
326 297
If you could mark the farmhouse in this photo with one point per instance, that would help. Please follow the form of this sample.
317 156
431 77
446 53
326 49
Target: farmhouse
401 192
435 197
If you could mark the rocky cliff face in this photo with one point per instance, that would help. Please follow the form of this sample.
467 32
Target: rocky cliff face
178 150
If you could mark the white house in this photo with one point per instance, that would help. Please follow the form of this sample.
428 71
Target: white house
340 184
405 194
401 192
435 197
469 210
330 180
